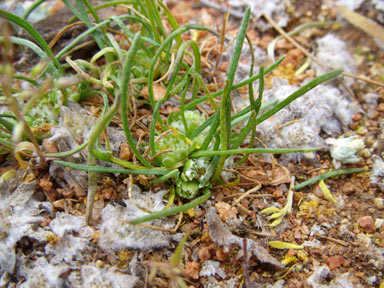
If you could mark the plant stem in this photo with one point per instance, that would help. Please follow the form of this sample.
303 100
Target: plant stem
124 98
251 150
102 169
225 103
92 186
328 175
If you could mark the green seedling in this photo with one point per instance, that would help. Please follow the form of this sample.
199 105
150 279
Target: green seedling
188 151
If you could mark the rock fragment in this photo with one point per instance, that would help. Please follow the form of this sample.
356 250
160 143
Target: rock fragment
367 224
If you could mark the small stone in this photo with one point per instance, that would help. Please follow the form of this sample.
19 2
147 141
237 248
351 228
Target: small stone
221 255
45 222
379 202
99 263
344 233
365 153
224 66
265 41
45 184
362 131
344 221
334 262
379 222
67 193
283 44
277 194
107 193
348 188
205 253
139 132
356 231
49 146
354 125
321 218
372 123
357 117
291 252
125 153
320 274
158 92
364 240
367 224
380 107
226 191
79 192
371 280
226 211
192 270
59 204
356 205
189 228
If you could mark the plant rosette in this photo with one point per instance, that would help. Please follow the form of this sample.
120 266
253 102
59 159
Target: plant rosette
179 147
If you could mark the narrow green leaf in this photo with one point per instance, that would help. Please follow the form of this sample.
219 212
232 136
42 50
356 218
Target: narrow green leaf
32 31
67 153
172 20
176 258
252 150
225 103
164 45
173 210
102 169
32 8
328 175
124 108
172 174
194 103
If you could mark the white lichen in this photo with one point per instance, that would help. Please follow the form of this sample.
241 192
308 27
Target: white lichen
273 8
242 71
41 273
349 4
345 150
300 124
379 4
211 268
322 276
333 51
93 276
75 119
19 213
371 100
74 237
377 174
116 233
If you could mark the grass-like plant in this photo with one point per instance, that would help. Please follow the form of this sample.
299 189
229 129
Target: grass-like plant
188 151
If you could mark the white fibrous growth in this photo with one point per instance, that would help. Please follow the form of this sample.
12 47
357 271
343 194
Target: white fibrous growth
377 175
116 233
273 8
322 110
333 52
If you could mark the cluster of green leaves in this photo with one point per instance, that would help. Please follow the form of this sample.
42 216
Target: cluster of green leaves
188 151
